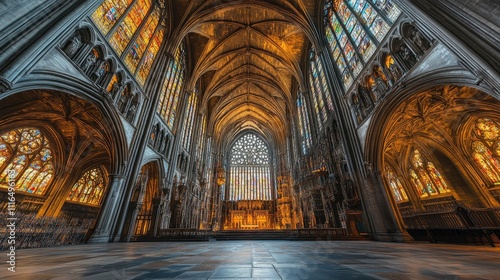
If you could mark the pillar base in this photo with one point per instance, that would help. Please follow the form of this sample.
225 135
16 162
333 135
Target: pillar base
102 237
392 237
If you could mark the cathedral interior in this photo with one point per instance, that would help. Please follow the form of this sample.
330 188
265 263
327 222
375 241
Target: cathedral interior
153 120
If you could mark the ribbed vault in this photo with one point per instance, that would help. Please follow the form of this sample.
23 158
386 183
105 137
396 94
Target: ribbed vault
246 55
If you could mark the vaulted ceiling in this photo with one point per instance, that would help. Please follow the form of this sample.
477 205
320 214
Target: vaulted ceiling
248 56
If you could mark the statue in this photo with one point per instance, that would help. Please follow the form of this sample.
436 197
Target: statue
100 71
89 61
117 88
419 40
131 112
73 45
395 72
408 55
122 103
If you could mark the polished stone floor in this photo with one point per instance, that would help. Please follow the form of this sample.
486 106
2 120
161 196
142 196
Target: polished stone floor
257 260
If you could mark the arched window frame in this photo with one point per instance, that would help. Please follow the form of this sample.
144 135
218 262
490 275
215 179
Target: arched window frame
90 187
172 86
395 185
425 176
317 91
250 169
304 126
26 160
485 148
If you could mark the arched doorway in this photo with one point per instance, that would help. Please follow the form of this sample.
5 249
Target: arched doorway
145 202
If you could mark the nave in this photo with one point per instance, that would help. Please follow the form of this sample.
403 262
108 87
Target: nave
259 260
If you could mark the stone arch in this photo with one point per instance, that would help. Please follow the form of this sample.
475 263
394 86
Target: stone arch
425 115
143 211
83 131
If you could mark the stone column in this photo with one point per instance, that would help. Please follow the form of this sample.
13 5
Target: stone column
106 220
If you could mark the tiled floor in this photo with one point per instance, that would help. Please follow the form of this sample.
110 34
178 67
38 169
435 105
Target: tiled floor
257 260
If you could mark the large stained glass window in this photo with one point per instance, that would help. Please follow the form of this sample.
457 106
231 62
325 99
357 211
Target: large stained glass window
26 160
89 189
319 90
250 173
171 88
425 177
126 29
189 118
486 148
304 126
109 13
354 28
134 31
395 185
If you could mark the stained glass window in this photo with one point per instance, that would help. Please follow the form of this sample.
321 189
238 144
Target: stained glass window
486 148
171 88
189 118
149 56
109 13
127 20
250 173
426 178
304 126
26 160
137 49
396 187
126 29
353 29
319 89
89 189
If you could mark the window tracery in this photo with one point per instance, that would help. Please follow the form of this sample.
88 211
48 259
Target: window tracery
171 89
26 158
134 31
486 148
396 186
250 173
425 177
354 29
89 189
319 89
304 126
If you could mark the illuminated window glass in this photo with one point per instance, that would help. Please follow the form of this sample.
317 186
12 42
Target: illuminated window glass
486 148
353 29
89 189
137 49
304 126
320 91
250 173
124 32
396 187
426 178
171 88
26 160
127 20
189 119
109 13
149 57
